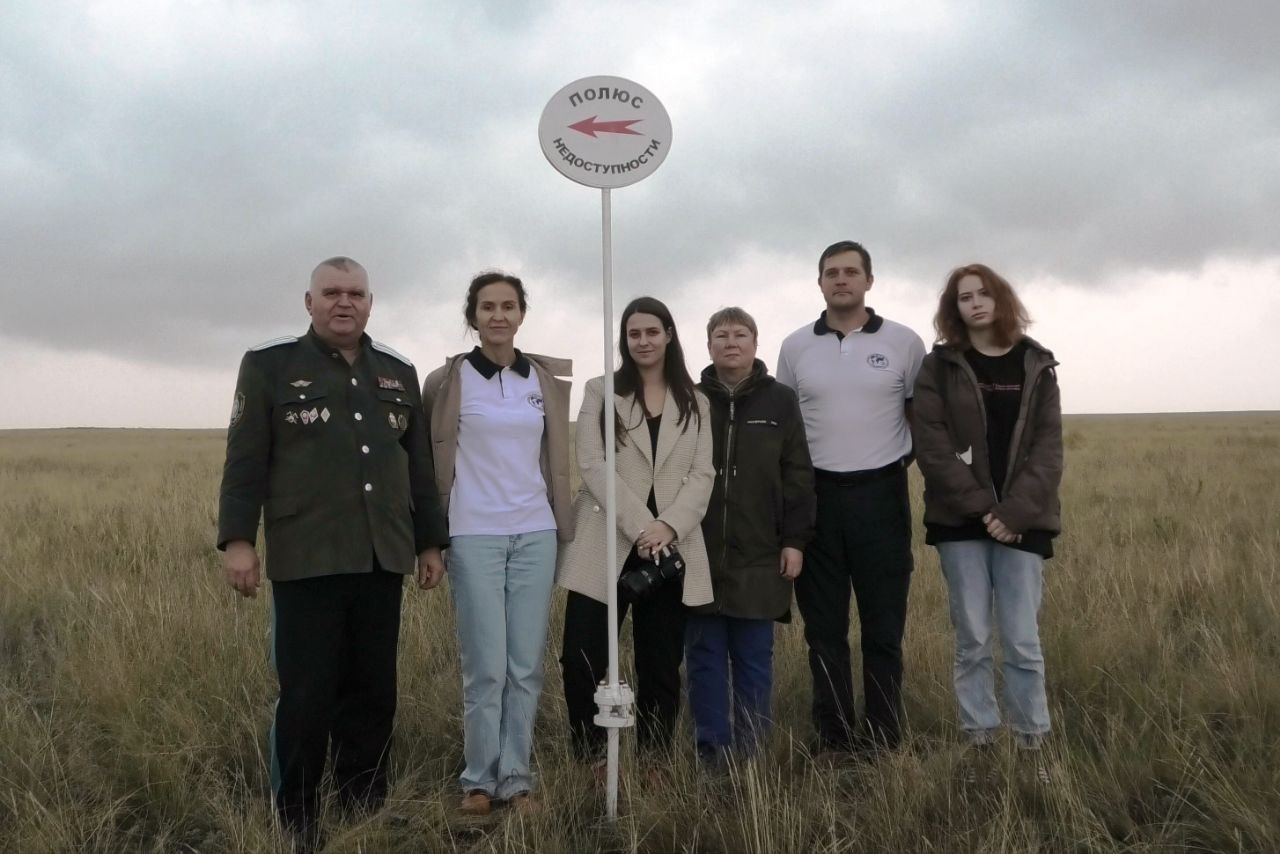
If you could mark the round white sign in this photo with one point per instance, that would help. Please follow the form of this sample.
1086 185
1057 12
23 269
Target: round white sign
605 132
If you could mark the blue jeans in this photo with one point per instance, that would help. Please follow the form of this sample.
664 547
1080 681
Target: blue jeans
721 652
981 574
501 588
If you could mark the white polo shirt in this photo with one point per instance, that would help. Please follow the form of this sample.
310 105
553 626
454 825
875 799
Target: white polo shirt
853 390
498 487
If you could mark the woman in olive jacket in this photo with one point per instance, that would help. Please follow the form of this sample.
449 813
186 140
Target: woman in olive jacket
758 523
987 430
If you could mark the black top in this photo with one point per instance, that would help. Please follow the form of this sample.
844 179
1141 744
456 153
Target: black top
1000 381
654 423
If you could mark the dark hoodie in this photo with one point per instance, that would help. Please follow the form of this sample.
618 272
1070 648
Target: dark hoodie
763 496
949 434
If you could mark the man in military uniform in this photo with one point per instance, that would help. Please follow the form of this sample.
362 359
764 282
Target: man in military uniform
329 443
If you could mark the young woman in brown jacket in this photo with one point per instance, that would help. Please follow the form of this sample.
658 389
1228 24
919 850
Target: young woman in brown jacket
987 431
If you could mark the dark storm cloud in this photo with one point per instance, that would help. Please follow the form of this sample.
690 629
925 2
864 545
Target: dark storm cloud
167 191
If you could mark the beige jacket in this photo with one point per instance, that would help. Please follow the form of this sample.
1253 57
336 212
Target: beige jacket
681 477
442 398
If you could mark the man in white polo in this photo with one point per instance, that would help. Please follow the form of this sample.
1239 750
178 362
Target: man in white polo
854 371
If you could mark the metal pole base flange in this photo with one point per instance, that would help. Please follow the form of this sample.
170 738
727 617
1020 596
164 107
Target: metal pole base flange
615 703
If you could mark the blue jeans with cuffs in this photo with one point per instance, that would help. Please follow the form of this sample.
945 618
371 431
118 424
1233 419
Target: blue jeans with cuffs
501 588
990 585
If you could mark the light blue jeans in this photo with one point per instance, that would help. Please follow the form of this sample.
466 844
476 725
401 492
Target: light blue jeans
984 580
501 588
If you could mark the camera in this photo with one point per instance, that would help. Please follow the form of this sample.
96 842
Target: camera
641 578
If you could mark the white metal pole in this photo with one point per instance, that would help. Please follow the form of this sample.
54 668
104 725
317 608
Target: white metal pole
613 696
611 511
611 507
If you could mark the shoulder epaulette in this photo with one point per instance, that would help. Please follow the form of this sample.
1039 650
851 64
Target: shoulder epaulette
383 348
274 342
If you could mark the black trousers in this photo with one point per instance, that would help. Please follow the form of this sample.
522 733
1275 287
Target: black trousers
862 543
658 634
334 649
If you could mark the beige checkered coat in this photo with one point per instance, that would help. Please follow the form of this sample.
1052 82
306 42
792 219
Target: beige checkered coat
681 481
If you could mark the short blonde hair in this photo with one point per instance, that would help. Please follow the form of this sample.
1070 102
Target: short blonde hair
731 316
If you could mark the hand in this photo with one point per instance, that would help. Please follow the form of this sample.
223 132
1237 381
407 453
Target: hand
998 530
655 537
241 568
790 562
430 568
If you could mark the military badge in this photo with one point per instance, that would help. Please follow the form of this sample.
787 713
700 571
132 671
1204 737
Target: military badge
315 415
391 419
390 383
324 415
305 416
237 409
291 417
300 383
404 422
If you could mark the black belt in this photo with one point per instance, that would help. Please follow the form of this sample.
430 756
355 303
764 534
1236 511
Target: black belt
853 478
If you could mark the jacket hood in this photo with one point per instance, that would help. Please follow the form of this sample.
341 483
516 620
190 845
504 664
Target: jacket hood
1044 354
713 388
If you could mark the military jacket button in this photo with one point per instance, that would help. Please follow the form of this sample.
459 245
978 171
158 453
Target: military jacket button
359 417
368 487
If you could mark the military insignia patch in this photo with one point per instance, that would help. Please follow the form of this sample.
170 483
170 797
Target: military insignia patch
237 409
315 415
300 383
324 415
305 416
390 383
391 419
291 417
404 422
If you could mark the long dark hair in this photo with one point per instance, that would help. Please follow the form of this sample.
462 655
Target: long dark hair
627 381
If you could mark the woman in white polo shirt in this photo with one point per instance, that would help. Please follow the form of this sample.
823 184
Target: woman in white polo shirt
500 437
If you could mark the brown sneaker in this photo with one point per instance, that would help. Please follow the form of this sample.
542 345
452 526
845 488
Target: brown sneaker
525 804
475 802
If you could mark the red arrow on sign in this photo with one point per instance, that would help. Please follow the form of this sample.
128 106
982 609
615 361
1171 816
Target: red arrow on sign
590 127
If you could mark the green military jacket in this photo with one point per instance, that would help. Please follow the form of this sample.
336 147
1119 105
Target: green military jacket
335 457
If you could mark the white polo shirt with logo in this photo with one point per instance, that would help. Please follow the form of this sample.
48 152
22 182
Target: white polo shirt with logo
498 486
853 390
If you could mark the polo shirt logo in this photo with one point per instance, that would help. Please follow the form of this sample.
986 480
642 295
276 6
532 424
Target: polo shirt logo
535 400
879 361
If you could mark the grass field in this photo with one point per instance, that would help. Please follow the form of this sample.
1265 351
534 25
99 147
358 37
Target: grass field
135 690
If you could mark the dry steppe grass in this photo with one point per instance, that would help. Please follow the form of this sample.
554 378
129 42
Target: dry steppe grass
135 690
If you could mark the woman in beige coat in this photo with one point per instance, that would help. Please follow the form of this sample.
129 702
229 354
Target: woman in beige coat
664 482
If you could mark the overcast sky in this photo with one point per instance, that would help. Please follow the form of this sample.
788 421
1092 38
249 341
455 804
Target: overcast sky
172 171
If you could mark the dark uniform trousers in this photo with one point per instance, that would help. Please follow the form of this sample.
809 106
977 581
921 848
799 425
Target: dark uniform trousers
334 649
862 543
334 458
658 635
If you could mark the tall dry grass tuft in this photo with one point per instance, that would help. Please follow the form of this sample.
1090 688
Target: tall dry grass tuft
135 690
